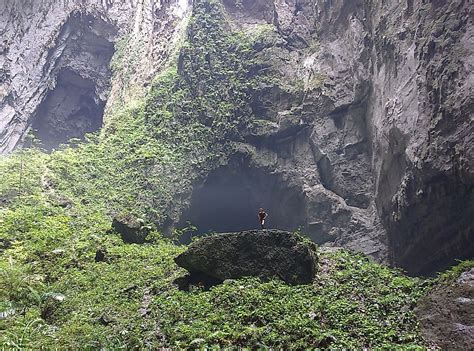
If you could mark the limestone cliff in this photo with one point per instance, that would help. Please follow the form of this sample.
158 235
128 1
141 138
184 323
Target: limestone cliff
55 62
361 132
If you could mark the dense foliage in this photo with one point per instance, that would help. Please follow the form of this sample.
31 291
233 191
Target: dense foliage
353 303
56 210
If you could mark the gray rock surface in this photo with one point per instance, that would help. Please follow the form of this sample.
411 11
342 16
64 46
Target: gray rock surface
132 230
55 56
370 123
365 131
262 253
446 314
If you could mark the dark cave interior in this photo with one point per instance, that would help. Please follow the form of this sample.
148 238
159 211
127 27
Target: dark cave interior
75 106
230 197
69 111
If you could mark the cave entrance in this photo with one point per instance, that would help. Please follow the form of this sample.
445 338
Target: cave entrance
75 106
229 200
69 111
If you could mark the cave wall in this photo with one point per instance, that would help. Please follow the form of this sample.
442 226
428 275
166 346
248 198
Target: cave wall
368 118
384 93
422 121
42 38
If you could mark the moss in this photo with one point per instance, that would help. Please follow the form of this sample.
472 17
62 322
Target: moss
117 61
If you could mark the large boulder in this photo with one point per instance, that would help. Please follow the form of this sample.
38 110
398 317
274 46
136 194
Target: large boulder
261 253
130 228
446 313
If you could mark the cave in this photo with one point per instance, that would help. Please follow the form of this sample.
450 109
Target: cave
230 197
69 111
74 105
434 228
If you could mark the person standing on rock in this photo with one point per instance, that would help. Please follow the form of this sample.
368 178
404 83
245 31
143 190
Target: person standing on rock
262 215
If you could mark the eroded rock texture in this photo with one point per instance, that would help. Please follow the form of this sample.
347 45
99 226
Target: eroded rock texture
368 125
55 62
81 59
265 254
362 137
307 158
422 118
446 314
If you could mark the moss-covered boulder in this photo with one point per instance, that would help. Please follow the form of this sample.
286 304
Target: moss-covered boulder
260 253
130 228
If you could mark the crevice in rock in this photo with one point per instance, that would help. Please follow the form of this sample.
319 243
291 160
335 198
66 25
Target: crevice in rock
393 167
358 108
326 172
331 180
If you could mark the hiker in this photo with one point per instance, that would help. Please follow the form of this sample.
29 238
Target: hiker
262 215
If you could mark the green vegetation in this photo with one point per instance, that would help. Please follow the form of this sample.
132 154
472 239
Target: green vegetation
56 211
455 271
354 303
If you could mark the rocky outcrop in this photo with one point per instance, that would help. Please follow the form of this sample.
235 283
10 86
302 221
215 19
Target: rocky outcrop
367 123
307 156
446 314
261 253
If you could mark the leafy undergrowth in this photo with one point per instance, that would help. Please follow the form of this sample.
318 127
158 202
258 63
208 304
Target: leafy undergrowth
455 271
56 210
353 303
62 298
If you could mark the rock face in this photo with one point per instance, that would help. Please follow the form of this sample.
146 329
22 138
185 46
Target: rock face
261 253
55 62
422 121
446 314
367 128
363 136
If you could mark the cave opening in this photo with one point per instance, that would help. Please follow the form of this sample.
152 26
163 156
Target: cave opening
75 105
230 197
69 111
